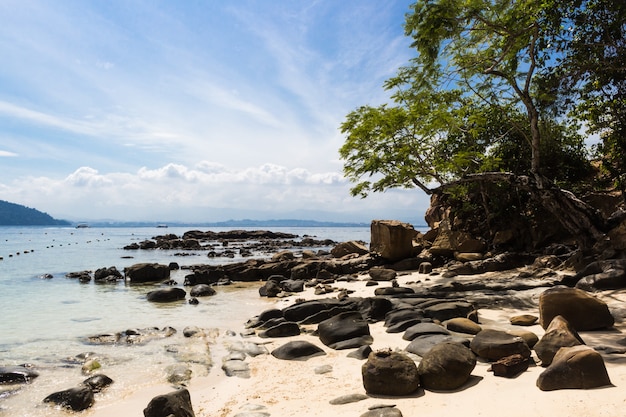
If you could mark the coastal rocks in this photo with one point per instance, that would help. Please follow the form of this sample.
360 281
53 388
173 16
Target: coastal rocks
582 310
20 374
147 272
98 382
463 325
510 366
577 367
166 295
110 274
493 345
76 399
173 404
389 373
382 274
202 290
344 331
349 248
391 239
558 334
297 350
284 329
447 366
382 411
446 310
131 336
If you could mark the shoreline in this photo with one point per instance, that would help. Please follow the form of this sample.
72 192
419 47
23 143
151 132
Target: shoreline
285 388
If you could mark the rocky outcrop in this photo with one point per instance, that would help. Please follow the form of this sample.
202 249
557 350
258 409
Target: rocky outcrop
389 373
582 310
577 367
391 239
173 404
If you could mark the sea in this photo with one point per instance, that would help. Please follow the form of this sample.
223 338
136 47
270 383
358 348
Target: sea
46 318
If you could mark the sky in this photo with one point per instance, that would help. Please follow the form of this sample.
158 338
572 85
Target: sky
192 110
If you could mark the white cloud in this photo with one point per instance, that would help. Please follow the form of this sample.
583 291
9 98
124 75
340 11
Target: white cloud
7 154
191 193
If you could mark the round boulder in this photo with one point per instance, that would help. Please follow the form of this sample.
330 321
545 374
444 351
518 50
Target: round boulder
389 373
496 344
166 295
447 366
582 310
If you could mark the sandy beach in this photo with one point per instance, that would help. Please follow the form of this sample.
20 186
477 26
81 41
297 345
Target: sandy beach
281 388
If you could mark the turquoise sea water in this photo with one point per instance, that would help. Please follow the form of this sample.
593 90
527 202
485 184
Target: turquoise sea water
45 321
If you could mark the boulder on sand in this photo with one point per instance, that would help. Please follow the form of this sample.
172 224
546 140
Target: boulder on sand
174 404
389 373
582 310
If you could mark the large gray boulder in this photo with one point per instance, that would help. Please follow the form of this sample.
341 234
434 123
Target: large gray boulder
297 350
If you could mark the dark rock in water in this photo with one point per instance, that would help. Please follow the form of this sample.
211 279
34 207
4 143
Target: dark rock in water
343 327
447 366
194 301
510 366
582 310
76 399
202 290
361 353
21 374
558 334
147 272
166 295
110 274
389 373
576 367
285 329
422 329
270 289
495 344
98 382
297 350
174 404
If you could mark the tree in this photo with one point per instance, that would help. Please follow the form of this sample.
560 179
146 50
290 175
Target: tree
475 58
588 81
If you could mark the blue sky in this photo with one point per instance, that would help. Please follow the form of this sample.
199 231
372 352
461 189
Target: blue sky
193 110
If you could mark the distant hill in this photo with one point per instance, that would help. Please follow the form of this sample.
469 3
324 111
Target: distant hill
246 223
12 214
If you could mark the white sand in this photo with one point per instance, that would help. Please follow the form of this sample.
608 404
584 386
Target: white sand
292 388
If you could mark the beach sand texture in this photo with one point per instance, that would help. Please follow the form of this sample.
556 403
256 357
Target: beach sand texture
281 388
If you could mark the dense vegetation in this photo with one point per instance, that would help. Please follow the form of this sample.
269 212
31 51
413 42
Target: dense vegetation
12 214
489 115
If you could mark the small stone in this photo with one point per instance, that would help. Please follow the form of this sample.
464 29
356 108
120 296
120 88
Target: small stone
324 369
524 320
347 399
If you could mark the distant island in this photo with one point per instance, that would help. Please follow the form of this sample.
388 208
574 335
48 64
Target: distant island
12 214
